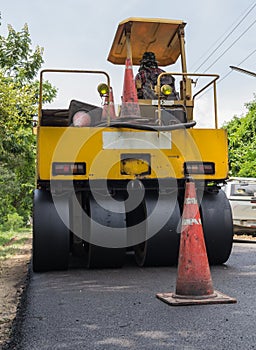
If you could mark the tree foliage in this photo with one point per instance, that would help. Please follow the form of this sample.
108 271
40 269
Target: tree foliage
17 59
19 66
242 143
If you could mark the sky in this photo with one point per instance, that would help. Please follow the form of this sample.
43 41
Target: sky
78 34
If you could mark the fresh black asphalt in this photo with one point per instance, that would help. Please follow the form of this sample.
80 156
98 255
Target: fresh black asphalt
118 310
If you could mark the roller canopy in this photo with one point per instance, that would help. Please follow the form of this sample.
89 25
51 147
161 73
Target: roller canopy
160 36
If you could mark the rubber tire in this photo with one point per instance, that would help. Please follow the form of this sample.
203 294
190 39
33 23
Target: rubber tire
161 249
100 256
217 225
50 235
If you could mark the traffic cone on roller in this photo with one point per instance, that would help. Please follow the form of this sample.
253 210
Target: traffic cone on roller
109 107
194 283
130 105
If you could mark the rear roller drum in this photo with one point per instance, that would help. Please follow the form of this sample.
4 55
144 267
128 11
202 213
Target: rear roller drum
106 229
163 217
217 226
50 234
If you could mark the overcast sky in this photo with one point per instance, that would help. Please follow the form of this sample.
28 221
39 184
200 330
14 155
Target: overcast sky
77 34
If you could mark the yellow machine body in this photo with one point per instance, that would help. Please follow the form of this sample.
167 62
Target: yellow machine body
102 149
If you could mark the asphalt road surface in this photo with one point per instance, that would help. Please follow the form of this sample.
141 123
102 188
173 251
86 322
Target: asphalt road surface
118 310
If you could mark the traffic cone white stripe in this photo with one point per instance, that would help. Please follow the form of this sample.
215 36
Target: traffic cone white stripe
190 201
193 221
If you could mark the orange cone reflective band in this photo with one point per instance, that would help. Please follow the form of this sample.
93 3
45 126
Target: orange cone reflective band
130 106
194 282
109 107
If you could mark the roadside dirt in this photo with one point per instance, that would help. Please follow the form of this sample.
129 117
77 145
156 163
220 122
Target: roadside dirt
13 275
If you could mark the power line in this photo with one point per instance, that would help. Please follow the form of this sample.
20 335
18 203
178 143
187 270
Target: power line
226 37
229 47
245 59
226 75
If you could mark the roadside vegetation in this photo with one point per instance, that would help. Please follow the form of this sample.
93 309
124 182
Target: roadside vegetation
12 242
19 67
242 142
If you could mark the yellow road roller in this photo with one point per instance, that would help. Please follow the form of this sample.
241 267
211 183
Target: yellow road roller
111 178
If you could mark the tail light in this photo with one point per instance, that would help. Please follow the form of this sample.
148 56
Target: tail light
207 168
63 168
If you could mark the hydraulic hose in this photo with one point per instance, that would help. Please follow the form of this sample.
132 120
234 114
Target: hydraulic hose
117 124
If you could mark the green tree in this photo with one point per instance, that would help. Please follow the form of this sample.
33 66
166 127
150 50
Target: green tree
242 143
17 59
19 88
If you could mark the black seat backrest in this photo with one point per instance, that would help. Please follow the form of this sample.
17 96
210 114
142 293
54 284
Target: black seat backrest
54 117
173 116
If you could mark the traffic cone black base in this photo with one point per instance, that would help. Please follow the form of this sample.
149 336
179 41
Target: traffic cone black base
176 300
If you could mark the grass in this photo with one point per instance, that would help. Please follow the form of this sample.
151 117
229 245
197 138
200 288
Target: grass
11 243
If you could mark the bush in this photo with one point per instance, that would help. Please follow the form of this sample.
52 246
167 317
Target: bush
14 221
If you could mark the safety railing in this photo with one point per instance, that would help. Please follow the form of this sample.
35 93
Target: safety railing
187 75
65 71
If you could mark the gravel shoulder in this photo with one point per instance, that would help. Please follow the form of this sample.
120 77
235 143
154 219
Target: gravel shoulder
13 275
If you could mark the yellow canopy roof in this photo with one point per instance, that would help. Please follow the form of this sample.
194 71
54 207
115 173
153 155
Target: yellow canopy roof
147 34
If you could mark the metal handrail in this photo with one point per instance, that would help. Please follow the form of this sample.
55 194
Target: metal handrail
215 76
65 71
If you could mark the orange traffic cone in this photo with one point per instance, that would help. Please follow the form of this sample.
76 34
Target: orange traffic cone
194 282
109 107
130 105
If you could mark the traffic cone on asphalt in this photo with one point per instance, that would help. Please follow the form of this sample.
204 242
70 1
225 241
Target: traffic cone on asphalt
130 105
109 107
194 283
